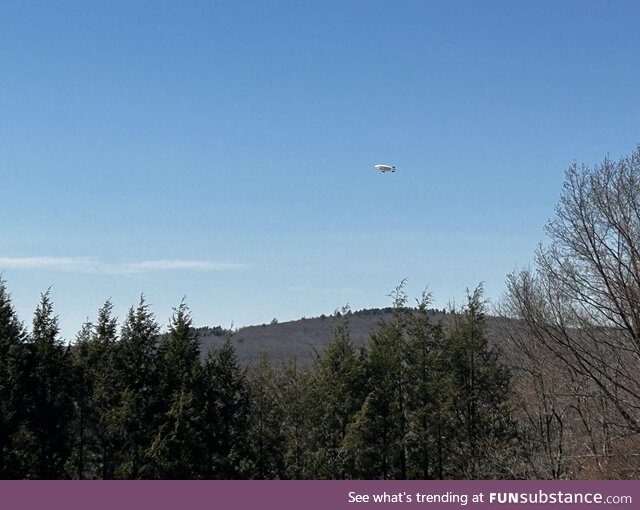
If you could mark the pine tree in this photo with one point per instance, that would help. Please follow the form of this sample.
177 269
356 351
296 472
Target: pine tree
338 388
226 413
298 408
105 389
49 408
177 447
266 432
136 415
427 394
95 396
82 396
12 385
375 439
480 389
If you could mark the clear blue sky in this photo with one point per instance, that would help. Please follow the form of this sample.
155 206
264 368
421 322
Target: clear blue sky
223 150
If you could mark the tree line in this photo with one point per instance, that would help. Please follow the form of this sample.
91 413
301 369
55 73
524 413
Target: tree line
130 403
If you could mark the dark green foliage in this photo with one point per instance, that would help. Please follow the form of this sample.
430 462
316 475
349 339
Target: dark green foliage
136 415
82 395
338 389
13 388
177 448
479 389
297 405
49 410
226 415
179 352
267 439
105 390
96 397
428 395
420 402
436 403
375 442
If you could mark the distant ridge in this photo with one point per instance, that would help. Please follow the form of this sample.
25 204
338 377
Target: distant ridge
297 340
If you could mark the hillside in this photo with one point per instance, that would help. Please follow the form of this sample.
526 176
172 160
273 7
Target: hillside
296 340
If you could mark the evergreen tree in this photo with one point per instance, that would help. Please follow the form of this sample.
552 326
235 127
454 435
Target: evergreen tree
298 408
179 351
427 395
49 407
12 385
82 392
375 439
178 444
95 396
338 388
105 389
266 433
374 443
226 413
480 389
135 417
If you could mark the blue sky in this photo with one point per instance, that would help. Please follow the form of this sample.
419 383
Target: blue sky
223 150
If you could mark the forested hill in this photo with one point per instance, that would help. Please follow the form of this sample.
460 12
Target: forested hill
297 340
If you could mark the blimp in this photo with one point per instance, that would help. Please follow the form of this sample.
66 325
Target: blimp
385 168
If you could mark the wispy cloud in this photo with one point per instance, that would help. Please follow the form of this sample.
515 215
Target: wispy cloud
97 266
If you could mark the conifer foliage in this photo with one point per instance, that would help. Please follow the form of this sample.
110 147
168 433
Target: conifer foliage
424 400
13 389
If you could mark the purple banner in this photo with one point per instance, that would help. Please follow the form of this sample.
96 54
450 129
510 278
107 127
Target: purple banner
317 495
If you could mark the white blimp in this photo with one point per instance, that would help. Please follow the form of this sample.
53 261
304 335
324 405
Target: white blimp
385 168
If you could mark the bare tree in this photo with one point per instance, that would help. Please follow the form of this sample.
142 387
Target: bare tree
582 300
